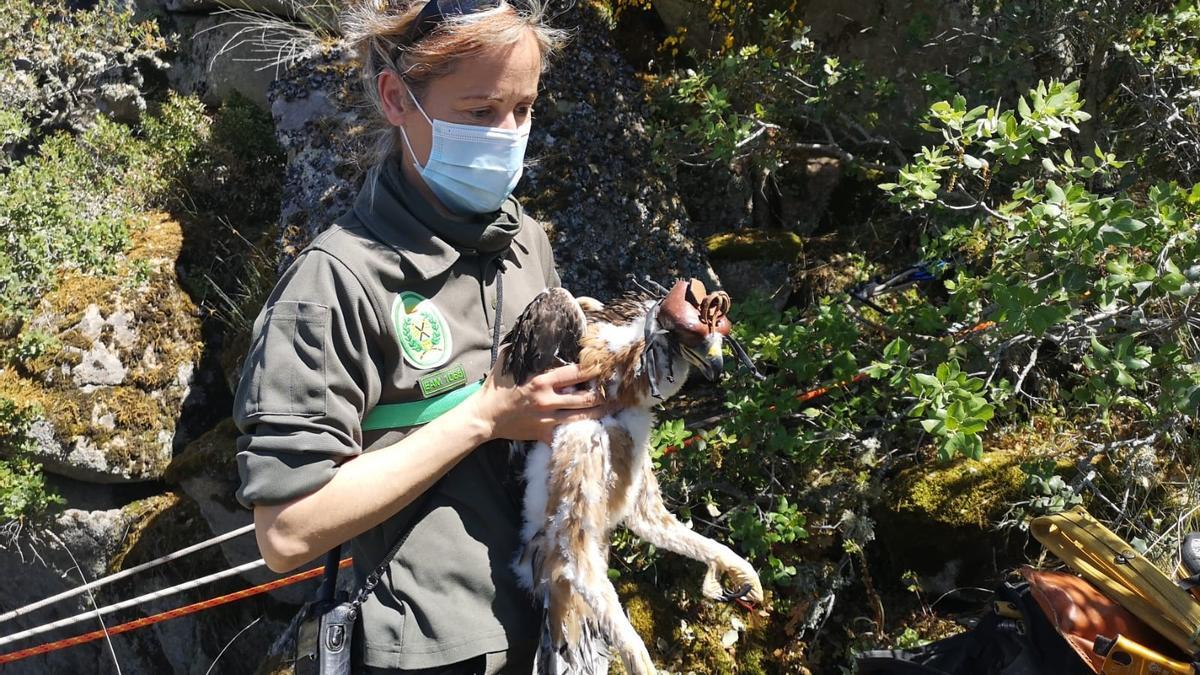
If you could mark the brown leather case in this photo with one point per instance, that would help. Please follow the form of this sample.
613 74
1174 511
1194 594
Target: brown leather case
1080 612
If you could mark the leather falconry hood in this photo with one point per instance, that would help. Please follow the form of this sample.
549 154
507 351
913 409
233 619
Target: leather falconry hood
694 312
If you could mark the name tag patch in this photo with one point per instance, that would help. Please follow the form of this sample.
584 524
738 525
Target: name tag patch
443 381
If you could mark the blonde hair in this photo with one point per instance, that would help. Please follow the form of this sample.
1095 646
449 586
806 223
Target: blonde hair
376 32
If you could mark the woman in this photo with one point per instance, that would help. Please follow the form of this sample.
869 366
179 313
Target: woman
390 317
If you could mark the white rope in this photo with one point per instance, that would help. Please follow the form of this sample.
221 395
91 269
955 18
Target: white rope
133 602
91 597
21 611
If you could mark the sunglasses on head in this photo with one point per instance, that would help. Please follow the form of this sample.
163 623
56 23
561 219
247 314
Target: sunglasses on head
436 11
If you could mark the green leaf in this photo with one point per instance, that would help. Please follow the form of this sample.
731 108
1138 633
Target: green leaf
1127 224
928 380
1054 193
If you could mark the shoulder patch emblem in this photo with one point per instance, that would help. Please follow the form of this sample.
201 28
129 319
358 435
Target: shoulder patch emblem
421 330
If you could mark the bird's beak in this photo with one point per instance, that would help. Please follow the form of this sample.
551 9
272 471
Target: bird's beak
707 358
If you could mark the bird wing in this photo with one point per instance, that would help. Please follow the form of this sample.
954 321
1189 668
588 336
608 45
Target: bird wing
545 335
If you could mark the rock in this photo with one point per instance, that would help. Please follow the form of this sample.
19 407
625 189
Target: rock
310 15
611 210
216 55
92 537
280 8
45 563
939 519
316 123
754 261
746 278
122 101
109 540
98 366
592 181
112 392
206 470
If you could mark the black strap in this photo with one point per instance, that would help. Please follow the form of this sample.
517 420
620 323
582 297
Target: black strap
499 310
376 574
328 585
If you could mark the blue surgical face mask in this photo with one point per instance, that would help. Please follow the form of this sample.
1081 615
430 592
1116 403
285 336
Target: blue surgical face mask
471 169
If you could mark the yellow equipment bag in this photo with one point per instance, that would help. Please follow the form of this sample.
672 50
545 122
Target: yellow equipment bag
1104 559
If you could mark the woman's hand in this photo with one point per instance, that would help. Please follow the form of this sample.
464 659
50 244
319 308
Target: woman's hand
531 411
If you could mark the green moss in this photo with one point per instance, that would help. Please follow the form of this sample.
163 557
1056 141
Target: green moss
75 204
144 513
684 634
963 493
212 454
165 324
754 244
647 609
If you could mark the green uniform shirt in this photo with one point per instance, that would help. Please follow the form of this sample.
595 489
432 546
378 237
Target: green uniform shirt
393 294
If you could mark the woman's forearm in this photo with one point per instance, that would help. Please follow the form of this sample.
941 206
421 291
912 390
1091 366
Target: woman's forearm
367 490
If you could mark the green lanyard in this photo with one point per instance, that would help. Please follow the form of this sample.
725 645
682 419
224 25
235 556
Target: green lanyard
416 413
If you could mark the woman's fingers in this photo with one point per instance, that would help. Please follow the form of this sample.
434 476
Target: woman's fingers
574 400
564 376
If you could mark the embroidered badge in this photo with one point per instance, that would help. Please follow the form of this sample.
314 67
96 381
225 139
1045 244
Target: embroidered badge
443 381
421 330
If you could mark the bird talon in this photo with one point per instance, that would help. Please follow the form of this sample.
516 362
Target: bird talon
730 596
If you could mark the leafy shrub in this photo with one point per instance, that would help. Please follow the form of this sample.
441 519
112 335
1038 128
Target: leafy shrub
64 65
23 492
72 203
1063 294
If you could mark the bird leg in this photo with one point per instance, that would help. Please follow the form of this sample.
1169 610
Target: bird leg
651 521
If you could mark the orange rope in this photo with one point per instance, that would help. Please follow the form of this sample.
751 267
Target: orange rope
169 614
805 397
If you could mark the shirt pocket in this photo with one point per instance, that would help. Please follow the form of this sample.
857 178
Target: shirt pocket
287 361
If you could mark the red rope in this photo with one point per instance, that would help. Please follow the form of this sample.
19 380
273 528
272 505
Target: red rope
169 614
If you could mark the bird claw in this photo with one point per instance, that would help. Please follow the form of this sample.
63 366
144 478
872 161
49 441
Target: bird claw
740 572
730 596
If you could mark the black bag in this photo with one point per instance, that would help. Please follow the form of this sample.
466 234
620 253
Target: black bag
323 635
1020 642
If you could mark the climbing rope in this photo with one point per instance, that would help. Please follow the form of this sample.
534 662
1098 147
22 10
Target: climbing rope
21 611
167 615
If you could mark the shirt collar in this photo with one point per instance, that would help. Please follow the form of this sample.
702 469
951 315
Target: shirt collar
399 216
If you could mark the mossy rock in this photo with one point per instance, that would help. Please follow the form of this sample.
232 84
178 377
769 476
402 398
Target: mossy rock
111 390
962 493
210 455
975 493
936 518
754 244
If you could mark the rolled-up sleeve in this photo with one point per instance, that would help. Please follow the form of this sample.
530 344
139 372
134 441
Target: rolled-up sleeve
311 372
